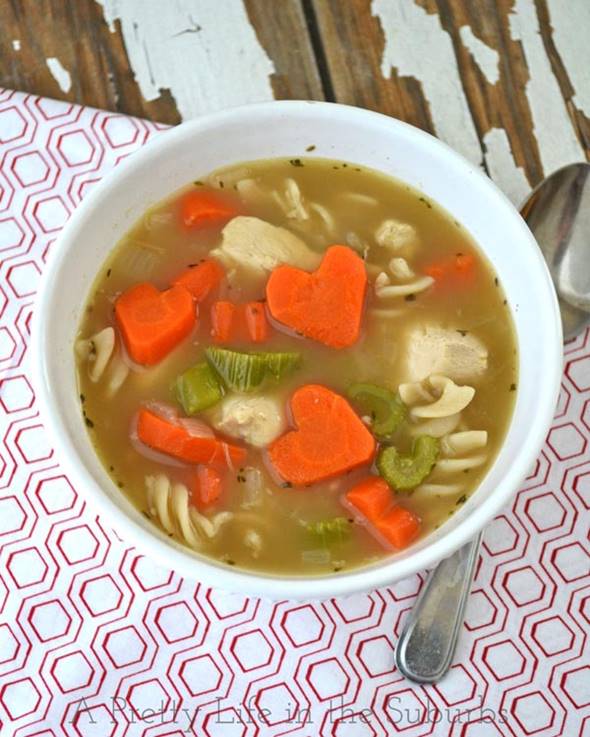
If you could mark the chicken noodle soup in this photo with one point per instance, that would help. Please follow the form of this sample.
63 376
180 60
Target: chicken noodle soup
297 366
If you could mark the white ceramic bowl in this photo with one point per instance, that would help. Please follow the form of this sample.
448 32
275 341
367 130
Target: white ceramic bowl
286 129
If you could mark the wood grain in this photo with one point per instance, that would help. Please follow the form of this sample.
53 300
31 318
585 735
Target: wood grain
351 31
354 43
283 33
487 76
579 118
77 34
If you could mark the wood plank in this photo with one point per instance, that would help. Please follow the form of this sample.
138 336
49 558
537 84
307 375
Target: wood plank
350 32
77 35
564 28
460 70
194 59
282 31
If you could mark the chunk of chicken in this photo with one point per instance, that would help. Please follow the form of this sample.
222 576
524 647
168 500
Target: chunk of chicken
434 350
254 244
396 236
256 420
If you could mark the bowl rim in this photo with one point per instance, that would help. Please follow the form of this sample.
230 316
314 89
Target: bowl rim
242 580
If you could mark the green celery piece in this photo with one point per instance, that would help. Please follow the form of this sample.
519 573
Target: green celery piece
386 409
329 531
198 388
245 372
405 472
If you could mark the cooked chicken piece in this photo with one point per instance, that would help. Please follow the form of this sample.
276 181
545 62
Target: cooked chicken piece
256 245
395 235
435 350
256 420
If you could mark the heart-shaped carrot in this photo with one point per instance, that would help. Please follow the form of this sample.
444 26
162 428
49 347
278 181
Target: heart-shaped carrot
330 438
326 305
152 323
200 279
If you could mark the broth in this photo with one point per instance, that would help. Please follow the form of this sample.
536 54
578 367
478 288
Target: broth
271 527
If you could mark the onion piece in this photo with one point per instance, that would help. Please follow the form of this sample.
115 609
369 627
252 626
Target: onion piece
321 556
228 459
162 409
253 487
195 428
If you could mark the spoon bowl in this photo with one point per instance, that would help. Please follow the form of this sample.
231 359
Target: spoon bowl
558 214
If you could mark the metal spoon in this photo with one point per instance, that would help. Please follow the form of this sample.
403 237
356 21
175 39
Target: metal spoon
558 213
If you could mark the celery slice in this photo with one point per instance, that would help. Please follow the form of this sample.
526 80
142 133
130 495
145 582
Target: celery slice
329 531
198 388
384 407
405 472
245 372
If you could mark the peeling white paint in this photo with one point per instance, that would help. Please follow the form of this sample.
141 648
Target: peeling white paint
16 44
500 163
571 23
417 46
486 58
557 141
205 53
61 75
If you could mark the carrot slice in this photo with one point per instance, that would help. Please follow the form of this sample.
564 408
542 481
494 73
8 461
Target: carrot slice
152 323
399 526
460 270
326 305
175 440
395 524
201 279
436 271
256 321
372 497
206 487
223 321
204 208
232 322
464 263
330 438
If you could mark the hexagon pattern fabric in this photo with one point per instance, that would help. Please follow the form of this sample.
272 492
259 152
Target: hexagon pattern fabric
95 640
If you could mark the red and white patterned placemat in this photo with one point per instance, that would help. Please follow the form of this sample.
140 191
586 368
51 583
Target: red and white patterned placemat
95 640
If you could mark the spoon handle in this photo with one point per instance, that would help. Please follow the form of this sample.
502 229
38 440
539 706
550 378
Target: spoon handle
427 643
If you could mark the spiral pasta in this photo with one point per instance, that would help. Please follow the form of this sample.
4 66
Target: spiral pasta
296 207
406 281
98 350
385 289
104 359
118 372
325 215
168 502
358 198
435 409
293 202
437 397
251 191
460 453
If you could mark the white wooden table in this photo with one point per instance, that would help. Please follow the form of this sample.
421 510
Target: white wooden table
505 82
